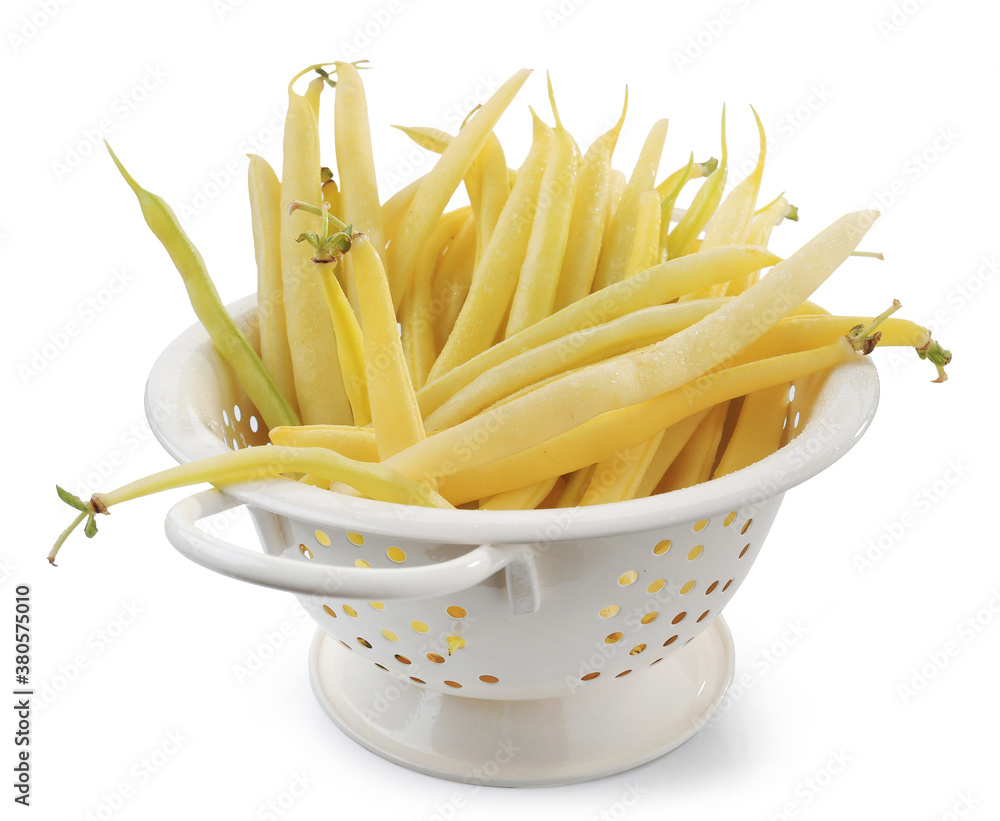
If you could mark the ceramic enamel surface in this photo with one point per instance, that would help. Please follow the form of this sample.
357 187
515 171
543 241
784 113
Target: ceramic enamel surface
498 607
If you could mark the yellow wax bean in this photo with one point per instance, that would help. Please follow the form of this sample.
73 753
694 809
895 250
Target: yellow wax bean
428 138
674 439
442 181
576 485
640 375
799 333
617 183
524 498
617 479
602 436
669 190
347 440
395 415
417 312
331 196
583 347
319 385
495 277
395 208
436 140
693 464
758 429
535 293
656 286
359 200
265 213
646 244
452 280
589 218
350 346
373 480
359 204
681 239
490 169
731 220
616 253
759 232
691 170
487 182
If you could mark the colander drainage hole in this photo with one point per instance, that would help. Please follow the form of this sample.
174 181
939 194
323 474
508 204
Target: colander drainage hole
670 641
743 552
435 658
402 659
489 679
589 677
711 587
330 611
454 684
364 643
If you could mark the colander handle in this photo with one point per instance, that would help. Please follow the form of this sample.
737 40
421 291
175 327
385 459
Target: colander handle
378 584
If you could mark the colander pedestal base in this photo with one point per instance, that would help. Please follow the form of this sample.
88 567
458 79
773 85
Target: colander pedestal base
597 732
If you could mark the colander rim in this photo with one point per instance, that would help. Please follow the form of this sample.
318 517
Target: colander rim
844 409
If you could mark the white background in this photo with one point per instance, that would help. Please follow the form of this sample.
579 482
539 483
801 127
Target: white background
881 103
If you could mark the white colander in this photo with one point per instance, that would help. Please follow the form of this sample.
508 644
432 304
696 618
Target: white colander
501 647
